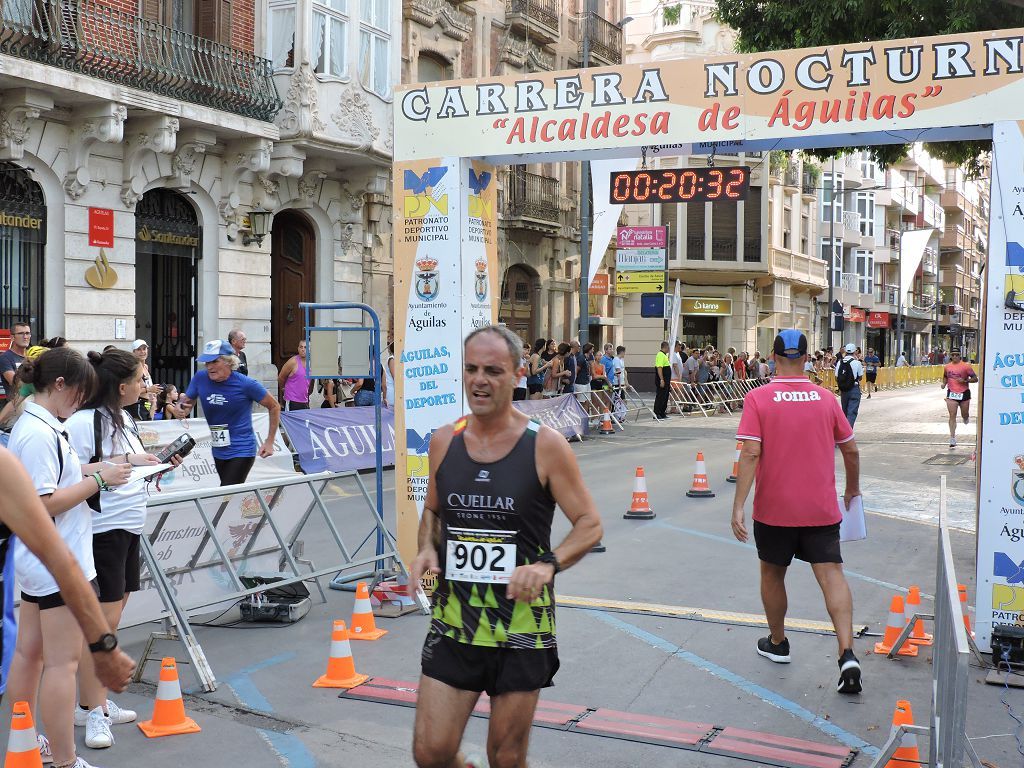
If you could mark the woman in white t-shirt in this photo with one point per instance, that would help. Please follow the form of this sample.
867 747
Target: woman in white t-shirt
387 364
49 640
105 431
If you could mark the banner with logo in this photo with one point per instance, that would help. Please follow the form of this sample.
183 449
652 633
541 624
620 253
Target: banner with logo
198 470
1000 578
759 99
340 439
563 413
446 263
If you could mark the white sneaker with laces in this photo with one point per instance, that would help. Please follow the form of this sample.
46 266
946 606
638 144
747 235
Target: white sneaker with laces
97 730
952 442
120 715
80 763
44 749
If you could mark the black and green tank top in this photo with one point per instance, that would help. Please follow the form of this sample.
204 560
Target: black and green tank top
494 517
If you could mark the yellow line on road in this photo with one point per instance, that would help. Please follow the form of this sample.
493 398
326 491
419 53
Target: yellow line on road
702 614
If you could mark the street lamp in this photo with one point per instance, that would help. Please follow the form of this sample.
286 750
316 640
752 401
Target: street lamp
259 226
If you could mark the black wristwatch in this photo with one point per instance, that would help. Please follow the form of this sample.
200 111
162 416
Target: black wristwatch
551 559
105 644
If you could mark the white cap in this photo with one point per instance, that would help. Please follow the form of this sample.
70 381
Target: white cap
139 343
850 348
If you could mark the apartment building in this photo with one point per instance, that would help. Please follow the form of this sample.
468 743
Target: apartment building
539 225
963 247
172 169
754 264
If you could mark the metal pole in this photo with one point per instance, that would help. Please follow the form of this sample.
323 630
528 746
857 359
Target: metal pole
899 298
831 251
584 303
938 291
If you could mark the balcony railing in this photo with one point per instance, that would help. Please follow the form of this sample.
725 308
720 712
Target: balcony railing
886 294
605 39
528 55
810 186
538 17
532 196
88 37
797 267
695 247
851 220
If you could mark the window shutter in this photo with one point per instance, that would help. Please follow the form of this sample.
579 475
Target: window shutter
152 10
213 20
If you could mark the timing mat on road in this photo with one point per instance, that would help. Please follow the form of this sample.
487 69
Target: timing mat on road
727 741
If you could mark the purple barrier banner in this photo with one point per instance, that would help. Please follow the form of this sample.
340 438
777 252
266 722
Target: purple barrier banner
339 439
563 413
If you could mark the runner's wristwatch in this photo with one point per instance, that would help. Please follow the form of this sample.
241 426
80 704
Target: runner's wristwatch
105 644
551 559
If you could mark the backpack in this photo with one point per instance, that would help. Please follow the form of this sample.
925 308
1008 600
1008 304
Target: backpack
844 376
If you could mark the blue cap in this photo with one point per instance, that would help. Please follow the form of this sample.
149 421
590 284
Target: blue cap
214 349
790 343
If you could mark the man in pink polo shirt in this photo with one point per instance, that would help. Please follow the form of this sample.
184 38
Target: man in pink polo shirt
791 424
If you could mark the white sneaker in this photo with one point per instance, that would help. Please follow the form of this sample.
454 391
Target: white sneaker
118 715
80 763
952 442
44 749
97 730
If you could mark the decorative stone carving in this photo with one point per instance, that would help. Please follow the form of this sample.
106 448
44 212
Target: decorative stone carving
268 184
354 118
300 115
150 135
101 122
192 144
346 235
17 109
241 157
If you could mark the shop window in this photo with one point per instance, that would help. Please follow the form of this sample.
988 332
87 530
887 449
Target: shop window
374 46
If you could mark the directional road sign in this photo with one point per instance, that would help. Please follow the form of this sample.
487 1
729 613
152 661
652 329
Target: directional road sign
639 282
642 259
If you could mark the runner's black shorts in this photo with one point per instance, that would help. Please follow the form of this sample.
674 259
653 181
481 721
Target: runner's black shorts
778 544
493 670
967 396
117 564
872 375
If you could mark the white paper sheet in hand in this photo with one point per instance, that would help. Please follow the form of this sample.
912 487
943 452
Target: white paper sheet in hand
148 470
853 527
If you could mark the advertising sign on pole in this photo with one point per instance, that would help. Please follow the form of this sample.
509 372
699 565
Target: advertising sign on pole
640 259
599 286
641 237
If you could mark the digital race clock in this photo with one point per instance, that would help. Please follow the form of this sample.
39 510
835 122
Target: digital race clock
680 185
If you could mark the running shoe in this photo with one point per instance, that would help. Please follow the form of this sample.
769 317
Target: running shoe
849 673
475 761
779 653
80 763
952 442
118 715
97 730
44 749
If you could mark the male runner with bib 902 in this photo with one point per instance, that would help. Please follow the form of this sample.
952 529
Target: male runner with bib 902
956 378
495 477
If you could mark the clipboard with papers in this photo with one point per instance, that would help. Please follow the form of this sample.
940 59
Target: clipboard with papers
853 526
147 471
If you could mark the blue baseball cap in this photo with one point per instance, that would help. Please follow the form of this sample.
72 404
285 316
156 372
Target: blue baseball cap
790 343
214 349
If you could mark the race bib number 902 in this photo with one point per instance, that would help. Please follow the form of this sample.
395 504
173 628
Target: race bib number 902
480 556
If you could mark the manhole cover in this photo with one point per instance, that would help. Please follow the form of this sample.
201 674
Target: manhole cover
948 460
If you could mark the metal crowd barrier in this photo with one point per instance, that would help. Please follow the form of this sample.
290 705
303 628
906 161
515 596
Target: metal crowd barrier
951 653
633 402
712 397
886 378
221 570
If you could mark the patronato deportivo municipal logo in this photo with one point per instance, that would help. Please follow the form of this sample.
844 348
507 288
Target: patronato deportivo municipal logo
427 283
419 195
480 208
216 399
1015 276
1007 597
480 283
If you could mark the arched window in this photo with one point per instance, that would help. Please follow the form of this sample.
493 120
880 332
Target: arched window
431 68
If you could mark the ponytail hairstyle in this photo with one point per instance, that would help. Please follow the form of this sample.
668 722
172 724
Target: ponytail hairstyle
113 368
41 373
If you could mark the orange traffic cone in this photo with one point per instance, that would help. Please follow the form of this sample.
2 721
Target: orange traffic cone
169 717
893 628
640 509
907 753
22 747
735 464
700 480
962 590
606 424
363 625
341 670
918 636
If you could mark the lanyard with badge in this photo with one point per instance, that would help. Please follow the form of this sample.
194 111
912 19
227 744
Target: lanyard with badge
481 556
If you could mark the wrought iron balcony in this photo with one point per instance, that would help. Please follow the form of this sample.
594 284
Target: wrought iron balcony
538 18
90 38
605 40
531 200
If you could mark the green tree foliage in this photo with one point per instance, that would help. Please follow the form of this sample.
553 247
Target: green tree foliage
765 25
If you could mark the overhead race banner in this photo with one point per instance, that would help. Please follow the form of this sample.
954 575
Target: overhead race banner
446 264
1000 596
931 82
198 470
563 413
340 439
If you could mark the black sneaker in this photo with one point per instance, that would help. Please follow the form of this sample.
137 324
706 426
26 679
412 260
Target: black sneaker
849 673
778 653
